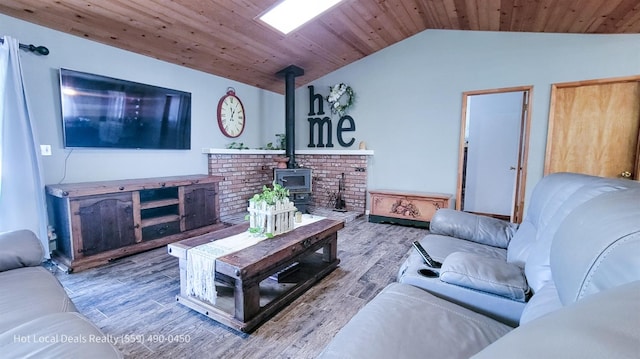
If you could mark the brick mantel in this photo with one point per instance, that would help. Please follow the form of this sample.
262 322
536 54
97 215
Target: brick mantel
246 171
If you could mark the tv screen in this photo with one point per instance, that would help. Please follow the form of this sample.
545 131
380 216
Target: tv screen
104 112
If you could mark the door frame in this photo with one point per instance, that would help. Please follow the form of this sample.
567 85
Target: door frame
523 152
552 109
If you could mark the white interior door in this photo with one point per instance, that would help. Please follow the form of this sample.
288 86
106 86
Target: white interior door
493 138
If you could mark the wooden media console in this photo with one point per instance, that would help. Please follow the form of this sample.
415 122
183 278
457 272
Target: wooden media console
97 222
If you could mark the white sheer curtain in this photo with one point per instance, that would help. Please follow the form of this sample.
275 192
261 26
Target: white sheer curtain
22 198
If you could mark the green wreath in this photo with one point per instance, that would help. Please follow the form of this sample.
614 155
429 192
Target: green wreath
336 92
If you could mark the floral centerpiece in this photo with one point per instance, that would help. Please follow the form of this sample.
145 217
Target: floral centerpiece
271 212
336 92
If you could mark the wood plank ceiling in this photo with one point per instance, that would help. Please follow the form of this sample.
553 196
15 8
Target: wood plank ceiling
223 37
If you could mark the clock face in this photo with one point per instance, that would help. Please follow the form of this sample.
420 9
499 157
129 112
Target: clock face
231 115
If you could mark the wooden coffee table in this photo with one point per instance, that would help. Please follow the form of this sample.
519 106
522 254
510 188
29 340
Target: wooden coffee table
247 296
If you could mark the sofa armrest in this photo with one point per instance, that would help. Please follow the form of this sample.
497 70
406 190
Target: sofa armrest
607 315
489 275
404 321
472 227
19 249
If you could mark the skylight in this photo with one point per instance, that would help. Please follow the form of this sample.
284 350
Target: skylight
288 15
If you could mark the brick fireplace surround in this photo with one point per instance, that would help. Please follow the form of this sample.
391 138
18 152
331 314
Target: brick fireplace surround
246 171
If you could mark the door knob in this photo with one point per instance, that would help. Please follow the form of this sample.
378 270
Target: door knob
626 174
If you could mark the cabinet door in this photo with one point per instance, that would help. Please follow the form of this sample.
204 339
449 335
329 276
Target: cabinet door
105 222
200 205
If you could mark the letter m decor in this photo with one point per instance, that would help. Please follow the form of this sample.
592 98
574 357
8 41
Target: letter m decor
321 123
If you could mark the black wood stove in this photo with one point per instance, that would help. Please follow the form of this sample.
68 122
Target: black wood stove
298 182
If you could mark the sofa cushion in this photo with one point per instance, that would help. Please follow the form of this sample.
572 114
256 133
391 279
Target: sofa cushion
439 247
537 268
406 322
485 274
604 325
521 243
602 240
547 196
601 255
19 249
552 199
29 293
472 227
58 335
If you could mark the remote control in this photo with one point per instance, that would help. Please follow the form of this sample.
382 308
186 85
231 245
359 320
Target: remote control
427 258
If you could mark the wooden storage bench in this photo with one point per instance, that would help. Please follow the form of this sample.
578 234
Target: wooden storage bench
408 208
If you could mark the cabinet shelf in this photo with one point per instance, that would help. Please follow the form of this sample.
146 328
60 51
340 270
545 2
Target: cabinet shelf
159 203
158 220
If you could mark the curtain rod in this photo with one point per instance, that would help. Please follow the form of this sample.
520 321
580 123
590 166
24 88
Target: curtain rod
41 50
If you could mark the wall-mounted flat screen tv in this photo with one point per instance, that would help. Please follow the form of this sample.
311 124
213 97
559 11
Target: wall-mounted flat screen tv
103 112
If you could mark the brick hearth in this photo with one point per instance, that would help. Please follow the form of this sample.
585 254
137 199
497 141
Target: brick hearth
245 174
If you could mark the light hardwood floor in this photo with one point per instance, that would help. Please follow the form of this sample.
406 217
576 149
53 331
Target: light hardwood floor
133 299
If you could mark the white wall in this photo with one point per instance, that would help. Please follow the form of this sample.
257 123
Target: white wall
264 109
407 109
409 95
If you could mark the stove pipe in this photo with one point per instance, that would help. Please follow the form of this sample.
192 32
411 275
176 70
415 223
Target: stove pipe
289 73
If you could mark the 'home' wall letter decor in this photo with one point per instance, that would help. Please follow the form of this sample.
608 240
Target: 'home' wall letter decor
346 123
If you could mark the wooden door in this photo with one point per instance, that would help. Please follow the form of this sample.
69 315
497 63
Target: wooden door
594 128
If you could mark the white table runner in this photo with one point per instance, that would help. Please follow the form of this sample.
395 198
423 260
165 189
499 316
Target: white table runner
201 260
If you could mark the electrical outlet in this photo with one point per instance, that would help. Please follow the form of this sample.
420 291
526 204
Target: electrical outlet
366 212
45 150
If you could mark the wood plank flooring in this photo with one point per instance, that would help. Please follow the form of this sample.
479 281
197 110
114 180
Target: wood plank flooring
133 301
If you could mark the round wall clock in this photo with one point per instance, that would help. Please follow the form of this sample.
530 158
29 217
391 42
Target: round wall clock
231 114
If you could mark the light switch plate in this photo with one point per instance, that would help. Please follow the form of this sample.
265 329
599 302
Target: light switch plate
45 150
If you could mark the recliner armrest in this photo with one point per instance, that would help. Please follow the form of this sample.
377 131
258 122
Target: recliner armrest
19 249
472 227
489 275
607 314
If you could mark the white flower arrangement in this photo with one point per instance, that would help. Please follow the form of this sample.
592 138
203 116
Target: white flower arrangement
335 94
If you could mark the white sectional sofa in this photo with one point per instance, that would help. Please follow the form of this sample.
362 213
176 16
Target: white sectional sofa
38 320
577 249
494 267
